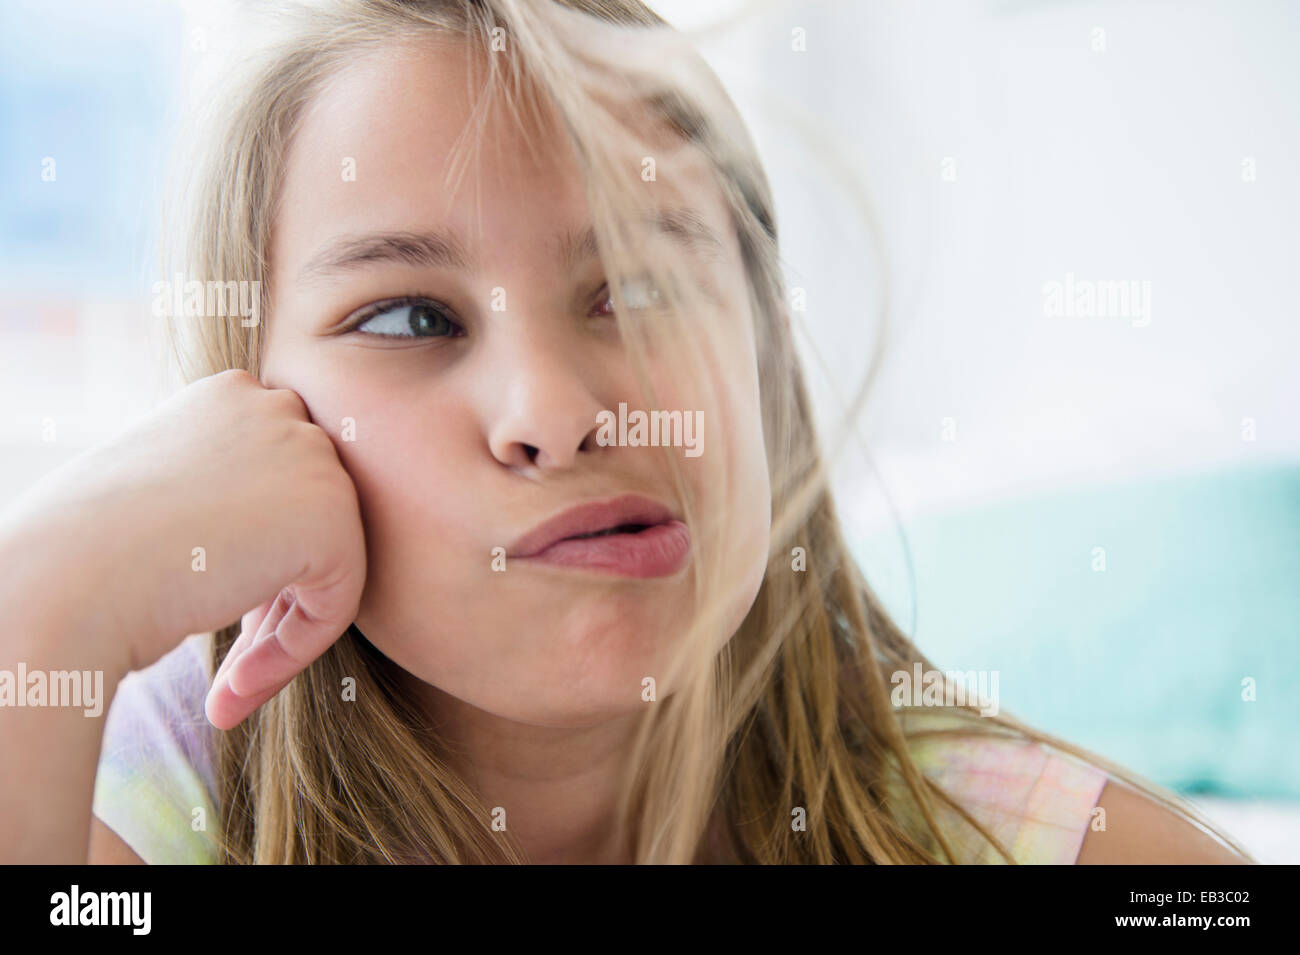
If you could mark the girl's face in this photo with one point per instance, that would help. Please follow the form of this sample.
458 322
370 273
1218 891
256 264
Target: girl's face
476 420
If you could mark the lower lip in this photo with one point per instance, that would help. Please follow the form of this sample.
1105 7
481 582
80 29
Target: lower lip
655 552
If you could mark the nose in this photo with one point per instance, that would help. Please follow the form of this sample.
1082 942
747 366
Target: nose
546 410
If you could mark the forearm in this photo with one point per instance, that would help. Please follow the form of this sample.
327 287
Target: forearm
49 745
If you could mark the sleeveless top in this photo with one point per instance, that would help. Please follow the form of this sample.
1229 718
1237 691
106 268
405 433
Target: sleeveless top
156 781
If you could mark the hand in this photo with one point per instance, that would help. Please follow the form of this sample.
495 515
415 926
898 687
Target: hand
227 497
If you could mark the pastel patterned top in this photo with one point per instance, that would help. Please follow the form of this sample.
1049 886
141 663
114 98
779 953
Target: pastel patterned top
156 782
1037 801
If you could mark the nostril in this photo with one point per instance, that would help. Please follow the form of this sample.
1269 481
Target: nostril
531 452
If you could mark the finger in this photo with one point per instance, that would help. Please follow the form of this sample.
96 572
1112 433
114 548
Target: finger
226 710
282 652
279 607
301 625
218 688
217 706
253 620
221 704
315 616
250 626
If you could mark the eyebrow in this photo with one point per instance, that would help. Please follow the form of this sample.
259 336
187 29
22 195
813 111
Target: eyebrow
445 249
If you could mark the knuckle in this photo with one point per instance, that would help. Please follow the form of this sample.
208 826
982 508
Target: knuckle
283 642
290 400
323 465
319 444
233 376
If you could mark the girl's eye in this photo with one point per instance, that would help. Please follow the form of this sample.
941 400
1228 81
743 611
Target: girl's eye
408 318
641 294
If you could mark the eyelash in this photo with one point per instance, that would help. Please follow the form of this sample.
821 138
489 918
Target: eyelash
405 301
409 301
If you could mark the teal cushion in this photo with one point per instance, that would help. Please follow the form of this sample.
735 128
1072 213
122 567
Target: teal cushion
1144 661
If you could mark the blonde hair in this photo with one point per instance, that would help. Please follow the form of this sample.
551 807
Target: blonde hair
795 711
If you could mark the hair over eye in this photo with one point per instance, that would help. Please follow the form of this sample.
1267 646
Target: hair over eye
640 294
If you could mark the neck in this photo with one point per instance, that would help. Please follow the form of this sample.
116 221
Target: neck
557 786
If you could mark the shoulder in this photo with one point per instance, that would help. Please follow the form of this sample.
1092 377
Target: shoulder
1139 830
155 784
108 848
1039 803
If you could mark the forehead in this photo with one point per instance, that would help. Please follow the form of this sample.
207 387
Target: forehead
389 143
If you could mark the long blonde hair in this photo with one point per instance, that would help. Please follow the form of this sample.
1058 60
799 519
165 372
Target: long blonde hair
794 712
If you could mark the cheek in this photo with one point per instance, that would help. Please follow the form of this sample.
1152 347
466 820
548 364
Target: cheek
412 481
729 431
413 486
748 492
426 560
730 477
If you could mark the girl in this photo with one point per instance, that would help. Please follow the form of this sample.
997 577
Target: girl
514 462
